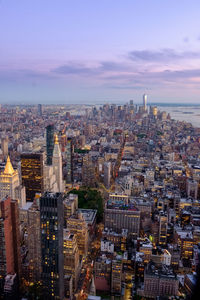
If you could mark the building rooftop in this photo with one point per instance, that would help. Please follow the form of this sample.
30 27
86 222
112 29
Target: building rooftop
130 207
89 215
160 271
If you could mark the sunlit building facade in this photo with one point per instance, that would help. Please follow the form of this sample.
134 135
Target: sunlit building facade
9 181
32 173
70 205
77 225
71 257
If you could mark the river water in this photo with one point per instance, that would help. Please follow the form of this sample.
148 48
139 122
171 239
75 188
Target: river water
187 113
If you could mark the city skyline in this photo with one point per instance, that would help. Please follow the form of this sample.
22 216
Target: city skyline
105 204
86 52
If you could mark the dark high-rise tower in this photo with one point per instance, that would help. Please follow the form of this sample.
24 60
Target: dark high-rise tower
32 173
69 160
39 109
51 219
49 143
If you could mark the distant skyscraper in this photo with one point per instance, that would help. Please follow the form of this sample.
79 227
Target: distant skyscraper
39 109
67 115
49 143
57 165
131 106
69 160
63 142
51 218
88 172
145 102
32 173
4 147
153 111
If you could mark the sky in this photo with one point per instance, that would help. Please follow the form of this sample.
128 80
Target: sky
90 51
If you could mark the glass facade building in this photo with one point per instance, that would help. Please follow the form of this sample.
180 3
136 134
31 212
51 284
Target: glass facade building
32 173
51 220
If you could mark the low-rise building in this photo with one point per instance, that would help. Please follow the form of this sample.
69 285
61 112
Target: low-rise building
118 217
159 281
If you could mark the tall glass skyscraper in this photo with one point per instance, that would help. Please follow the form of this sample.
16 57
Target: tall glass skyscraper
32 173
49 143
51 220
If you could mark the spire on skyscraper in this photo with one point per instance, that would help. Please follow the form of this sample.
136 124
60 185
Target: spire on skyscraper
57 164
8 168
56 149
56 142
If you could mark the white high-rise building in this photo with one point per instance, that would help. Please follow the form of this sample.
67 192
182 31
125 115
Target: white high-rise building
145 102
50 180
57 165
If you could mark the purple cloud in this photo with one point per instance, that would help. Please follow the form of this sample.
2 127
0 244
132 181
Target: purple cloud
21 74
132 73
73 68
164 55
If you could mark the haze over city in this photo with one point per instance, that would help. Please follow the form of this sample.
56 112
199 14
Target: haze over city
99 51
